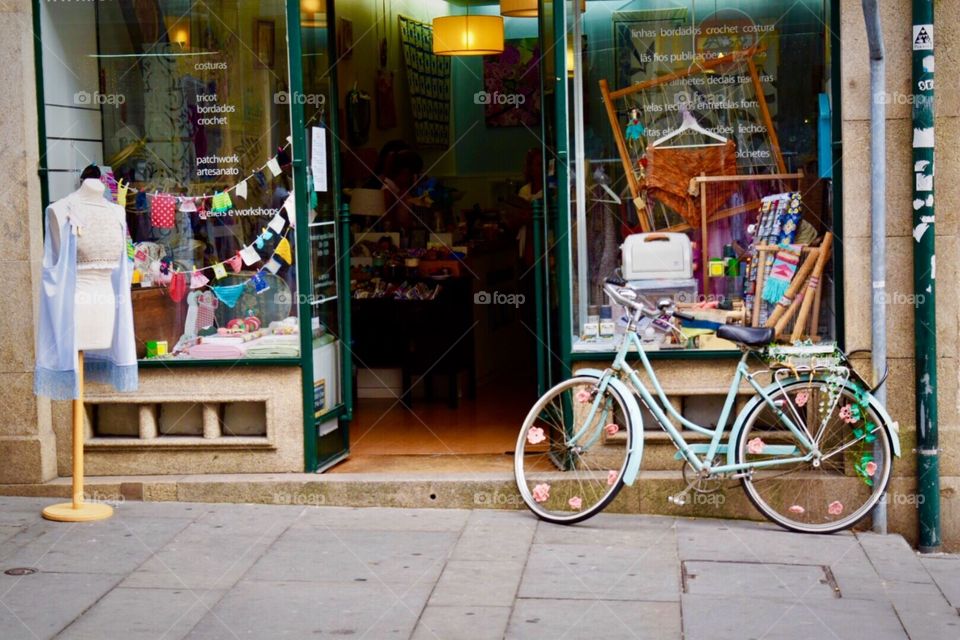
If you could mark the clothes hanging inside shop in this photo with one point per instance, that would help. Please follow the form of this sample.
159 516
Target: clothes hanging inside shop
670 171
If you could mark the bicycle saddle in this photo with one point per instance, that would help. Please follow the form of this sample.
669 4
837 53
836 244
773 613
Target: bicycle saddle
747 336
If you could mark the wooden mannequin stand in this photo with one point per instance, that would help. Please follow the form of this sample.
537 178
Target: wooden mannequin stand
78 510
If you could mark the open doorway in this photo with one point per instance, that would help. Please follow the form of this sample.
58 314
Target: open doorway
442 162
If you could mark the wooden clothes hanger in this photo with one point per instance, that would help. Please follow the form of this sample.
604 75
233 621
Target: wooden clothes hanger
690 124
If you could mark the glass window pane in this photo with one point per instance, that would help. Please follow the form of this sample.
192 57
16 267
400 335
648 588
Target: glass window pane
194 127
707 101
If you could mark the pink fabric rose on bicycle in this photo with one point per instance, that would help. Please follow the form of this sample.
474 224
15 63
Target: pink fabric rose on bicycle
797 509
870 468
835 508
612 477
575 503
801 398
583 396
755 446
846 414
541 492
612 428
535 435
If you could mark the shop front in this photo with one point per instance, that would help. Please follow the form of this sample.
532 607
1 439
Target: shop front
353 236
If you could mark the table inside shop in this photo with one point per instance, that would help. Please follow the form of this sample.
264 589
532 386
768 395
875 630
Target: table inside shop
419 337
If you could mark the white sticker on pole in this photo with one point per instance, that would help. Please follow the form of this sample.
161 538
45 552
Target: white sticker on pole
318 158
923 37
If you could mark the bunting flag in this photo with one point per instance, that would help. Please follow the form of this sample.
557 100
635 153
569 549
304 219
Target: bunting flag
274 166
263 237
178 286
229 294
277 223
188 205
250 255
221 202
198 280
122 188
241 189
273 265
219 271
283 250
259 282
236 262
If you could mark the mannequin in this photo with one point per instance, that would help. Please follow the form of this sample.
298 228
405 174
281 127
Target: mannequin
99 243
85 306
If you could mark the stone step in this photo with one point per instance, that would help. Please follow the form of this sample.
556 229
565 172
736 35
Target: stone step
649 494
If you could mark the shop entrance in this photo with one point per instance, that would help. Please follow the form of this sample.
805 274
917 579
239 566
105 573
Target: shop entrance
441 162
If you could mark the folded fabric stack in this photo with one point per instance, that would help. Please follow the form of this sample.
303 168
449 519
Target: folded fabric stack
275 347
213 350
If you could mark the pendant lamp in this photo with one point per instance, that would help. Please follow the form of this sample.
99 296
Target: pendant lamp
467 35
518 8
526 8
313 13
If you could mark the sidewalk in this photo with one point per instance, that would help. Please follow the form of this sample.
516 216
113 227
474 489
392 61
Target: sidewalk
205 571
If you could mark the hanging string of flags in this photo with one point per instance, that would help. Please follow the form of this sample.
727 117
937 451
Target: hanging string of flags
220 200
177 282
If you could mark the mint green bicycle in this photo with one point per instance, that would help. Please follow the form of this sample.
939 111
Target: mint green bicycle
813 448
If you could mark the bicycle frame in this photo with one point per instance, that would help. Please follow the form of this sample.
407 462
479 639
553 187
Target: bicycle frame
742 372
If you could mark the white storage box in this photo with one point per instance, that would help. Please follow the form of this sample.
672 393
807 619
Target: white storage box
657 256
678 289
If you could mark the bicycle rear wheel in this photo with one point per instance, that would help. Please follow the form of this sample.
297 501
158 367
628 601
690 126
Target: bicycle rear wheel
566 480
829 493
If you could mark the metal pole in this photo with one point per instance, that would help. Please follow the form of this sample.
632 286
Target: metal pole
540 307
878 213
924 280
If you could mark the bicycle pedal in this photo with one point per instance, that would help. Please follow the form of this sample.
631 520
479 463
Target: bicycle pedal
679 499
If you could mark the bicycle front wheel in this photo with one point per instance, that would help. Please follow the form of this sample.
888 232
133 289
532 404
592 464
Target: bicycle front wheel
572 451
832 491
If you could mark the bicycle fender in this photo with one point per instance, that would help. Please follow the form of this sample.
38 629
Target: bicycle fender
636 420
893 430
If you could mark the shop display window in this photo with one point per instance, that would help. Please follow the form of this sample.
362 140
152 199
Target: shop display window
701 128
194 141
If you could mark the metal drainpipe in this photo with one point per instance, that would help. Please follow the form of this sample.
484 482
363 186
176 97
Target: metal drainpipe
878 211
924 280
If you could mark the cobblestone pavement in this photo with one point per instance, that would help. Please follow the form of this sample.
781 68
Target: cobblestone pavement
204 571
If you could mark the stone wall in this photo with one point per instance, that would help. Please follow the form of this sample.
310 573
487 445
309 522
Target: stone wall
26 439
855 88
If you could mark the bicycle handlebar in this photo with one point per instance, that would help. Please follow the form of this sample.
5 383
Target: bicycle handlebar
615 288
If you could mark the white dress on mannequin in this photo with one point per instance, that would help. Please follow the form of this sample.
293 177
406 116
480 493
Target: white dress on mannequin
99 242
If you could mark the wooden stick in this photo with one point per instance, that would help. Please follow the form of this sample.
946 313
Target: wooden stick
676 75
704 266
758 288
765 114
774 247
815 316
789 313
812 286
738 177
624 154
78 438
796 285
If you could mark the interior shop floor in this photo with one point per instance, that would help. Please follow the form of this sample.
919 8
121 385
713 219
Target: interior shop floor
479 435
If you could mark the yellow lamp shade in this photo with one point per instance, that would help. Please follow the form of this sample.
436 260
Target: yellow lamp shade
526 8
467 35
313 13
518 8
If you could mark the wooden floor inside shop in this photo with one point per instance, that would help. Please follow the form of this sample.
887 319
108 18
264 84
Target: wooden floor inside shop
477 436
